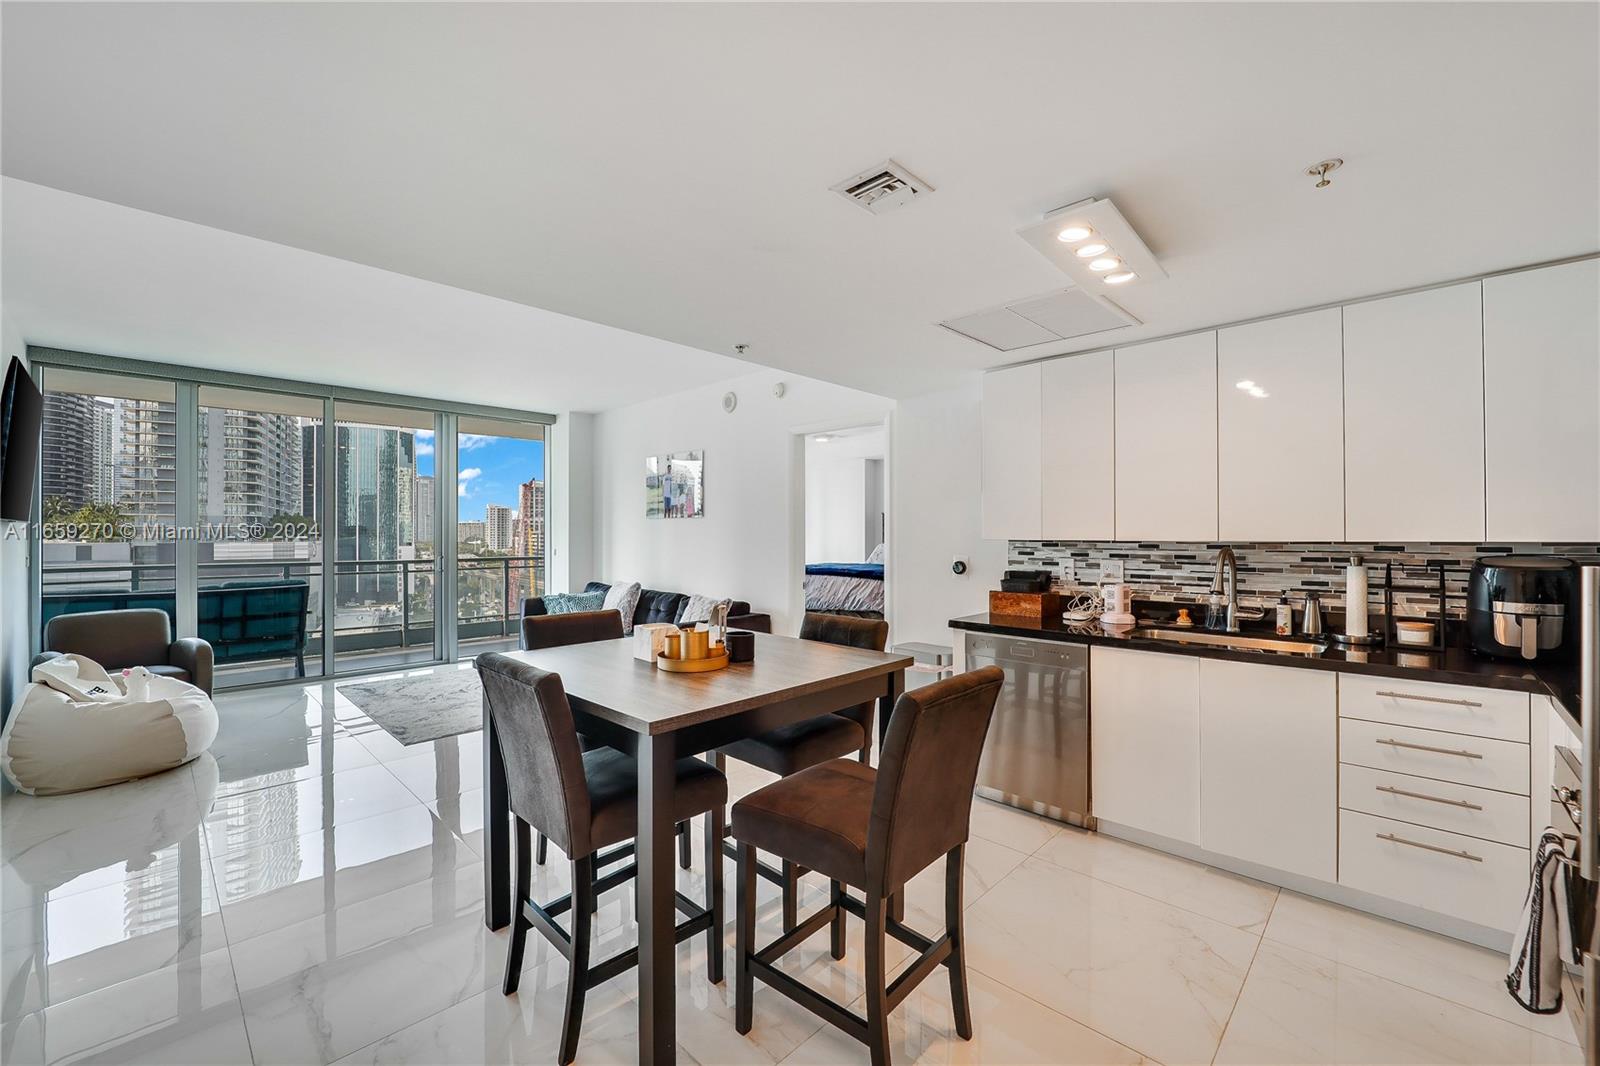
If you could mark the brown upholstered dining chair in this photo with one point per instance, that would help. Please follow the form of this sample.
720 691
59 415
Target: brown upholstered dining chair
872 830
583 627
794 747
585 801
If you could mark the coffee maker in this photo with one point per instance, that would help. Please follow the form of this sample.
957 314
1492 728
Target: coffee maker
1518 606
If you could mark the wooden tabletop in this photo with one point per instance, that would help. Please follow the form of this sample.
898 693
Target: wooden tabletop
640 698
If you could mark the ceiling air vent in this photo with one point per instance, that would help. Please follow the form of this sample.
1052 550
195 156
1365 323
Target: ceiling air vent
1053 317
883 188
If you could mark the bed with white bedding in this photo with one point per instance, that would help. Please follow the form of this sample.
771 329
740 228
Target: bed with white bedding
847 588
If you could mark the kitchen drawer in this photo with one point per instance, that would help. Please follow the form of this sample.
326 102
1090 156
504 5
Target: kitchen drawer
1496 764
1471 879
1480 712
1473 812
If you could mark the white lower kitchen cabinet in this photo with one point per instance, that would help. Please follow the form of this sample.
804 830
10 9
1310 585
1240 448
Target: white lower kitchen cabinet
1269 766
1145 741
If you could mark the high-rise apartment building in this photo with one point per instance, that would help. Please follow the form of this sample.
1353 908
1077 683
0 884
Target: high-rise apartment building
250 466
146 459
105 444
530 506
422 508
497 527
470 532
68 460
373 519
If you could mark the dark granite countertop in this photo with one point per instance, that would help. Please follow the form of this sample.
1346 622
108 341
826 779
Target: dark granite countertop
1454 665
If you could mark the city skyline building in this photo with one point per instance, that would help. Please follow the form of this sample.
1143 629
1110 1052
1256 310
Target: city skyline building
497 526
68 451
422 501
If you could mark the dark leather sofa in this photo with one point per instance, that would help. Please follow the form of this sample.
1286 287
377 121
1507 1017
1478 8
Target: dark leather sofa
657 606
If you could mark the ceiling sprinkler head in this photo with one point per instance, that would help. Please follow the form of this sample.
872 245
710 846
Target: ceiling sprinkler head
741 348
1322 170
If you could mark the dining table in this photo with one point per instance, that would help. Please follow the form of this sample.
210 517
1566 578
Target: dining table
658 717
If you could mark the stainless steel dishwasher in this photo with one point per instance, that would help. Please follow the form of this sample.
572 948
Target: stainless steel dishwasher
1037 754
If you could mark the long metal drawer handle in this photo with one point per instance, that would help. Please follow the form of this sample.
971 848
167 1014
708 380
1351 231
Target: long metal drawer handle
1431 799
1426 747
1431 699
1430 847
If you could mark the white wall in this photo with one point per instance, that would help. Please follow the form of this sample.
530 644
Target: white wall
750 544
933 488
14 621
571 503
844 496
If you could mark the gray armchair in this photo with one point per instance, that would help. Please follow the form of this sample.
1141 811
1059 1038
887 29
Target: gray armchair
118 640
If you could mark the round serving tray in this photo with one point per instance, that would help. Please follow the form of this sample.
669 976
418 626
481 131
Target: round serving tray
715 661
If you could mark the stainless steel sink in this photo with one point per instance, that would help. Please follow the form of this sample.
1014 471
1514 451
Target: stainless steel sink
1230 640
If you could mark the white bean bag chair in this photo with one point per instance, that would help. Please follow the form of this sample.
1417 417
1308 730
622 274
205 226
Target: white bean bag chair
75 727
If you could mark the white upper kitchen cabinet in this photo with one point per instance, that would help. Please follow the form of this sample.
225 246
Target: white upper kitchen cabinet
1269 766
1079 462
1541 373
1413 416
1166 457
1145 745
1280 429
1012 448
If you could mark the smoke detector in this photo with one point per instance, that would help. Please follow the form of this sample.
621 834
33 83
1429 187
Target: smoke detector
883 187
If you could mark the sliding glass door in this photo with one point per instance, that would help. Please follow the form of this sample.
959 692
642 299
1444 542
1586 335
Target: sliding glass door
301 531
384 570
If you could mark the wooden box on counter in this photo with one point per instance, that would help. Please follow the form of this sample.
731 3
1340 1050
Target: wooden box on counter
1026 604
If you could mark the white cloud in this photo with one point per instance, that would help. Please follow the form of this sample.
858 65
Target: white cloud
469 473
423 448
461 488
470 441
424 434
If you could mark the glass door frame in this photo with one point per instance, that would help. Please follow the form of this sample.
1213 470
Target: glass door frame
187 382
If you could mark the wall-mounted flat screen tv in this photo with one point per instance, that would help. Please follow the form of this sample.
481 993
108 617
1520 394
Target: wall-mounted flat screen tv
21 411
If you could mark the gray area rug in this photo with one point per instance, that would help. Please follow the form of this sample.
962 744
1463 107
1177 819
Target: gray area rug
415 710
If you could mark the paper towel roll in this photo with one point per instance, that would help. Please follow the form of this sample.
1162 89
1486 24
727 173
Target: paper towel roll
1355 599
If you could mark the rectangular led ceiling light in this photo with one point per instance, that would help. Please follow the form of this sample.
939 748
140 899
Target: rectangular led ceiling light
1094 245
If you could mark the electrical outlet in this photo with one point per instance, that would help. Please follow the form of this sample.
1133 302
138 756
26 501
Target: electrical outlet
1069 571
1111 570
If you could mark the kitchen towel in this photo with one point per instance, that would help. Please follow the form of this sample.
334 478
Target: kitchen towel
1545 935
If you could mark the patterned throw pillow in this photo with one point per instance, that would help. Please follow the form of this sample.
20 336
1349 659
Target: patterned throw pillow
698 609
623 597
573 602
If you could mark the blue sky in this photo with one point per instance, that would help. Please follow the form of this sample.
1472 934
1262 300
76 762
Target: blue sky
489 469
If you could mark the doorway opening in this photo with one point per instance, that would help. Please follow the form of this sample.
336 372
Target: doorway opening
846 521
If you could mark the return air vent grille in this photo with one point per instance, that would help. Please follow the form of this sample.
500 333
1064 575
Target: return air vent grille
1054 317
883 188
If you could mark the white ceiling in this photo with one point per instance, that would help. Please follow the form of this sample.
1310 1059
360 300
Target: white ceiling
93 276
665 168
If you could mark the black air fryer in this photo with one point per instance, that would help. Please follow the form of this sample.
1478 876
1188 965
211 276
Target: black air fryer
1520 606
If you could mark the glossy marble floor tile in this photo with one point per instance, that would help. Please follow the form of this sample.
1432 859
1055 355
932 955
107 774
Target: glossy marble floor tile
310 891
300 807
1194 886
1450 969
1149 975
186 1013
1009 1029
1301 1008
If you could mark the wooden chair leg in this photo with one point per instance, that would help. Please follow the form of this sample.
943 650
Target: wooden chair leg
685 858
954 880
877 980
519 925
836 899
791 895
714 819
544 849
744 940
578 956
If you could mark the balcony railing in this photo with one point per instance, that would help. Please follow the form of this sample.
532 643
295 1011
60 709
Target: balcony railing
381 604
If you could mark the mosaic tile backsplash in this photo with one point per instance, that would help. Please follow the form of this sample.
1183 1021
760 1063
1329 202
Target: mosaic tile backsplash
1184 571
